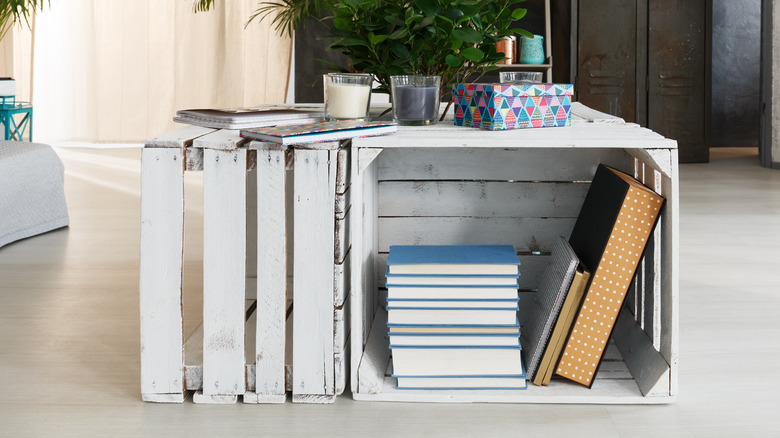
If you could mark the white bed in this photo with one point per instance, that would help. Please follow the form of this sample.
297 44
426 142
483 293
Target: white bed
32 197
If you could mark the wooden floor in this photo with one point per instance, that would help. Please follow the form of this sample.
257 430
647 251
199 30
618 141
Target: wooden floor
69 329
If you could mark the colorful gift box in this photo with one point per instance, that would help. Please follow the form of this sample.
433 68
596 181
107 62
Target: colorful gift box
512 106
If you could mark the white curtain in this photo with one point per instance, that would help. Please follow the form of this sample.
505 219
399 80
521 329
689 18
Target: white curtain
117 70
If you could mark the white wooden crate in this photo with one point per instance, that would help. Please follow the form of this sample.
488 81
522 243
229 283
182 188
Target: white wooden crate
452 185
243 345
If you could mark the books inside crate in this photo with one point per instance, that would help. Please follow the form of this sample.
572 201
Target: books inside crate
456 319
450 335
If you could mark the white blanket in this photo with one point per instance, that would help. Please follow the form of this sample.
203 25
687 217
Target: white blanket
32 197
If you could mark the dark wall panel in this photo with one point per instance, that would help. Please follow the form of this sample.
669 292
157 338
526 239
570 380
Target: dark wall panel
736 71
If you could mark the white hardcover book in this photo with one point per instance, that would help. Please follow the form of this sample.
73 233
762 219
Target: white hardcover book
454 329
452 316
415 361
446 339
451 293
449 304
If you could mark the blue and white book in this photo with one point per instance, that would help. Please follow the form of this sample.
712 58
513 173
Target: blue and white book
463 382
461 329
456 361
467 316
453 260
473 340
511 304
423 280
409 292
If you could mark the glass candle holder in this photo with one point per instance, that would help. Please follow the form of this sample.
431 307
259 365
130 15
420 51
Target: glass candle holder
415 99
520 77
347 96
532 50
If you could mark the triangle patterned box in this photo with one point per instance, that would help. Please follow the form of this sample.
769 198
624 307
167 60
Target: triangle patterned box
499 106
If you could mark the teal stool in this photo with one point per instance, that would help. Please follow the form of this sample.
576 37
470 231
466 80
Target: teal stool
16 118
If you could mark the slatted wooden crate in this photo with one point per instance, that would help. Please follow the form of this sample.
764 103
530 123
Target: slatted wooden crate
454 185
249 320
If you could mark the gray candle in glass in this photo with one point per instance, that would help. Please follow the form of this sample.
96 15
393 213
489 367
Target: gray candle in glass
415 99
415 102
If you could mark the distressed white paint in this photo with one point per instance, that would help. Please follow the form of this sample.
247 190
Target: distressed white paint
670 268
481 198
363 158
604 391
526 234
488 164
223 139
341 371
580 135
342 203
590 115
160 284
371 371
363 254
224 268
342 239
342 170
313 399
193 359
340 329
163 398
658 159
194 159
193 352
179 138
313 274
271 275
201 398
341 279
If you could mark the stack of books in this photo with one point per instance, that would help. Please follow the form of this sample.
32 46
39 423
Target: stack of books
452 317
240 118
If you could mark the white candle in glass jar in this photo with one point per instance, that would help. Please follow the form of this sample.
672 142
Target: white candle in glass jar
346 101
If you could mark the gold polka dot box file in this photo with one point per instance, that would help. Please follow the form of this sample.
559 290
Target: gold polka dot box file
609 236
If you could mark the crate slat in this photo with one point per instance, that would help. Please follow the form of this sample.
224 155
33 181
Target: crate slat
481 164
224 269
271 276
160 290
314 225
481 198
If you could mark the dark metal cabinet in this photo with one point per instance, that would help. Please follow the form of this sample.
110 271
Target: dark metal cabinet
648 62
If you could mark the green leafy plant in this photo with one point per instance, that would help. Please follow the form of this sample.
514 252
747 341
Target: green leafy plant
17 11
450 38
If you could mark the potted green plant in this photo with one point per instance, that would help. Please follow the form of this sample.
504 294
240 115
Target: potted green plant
454 39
